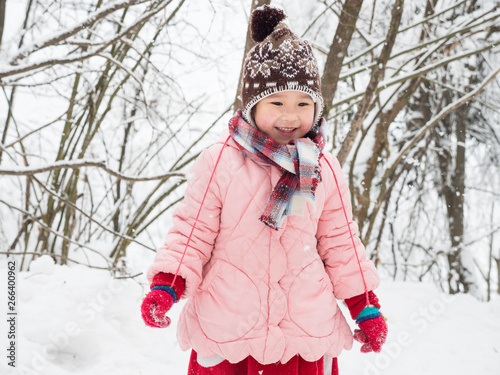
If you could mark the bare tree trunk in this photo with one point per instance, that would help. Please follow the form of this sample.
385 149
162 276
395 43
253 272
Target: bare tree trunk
497 260
460 276
128 127
376 76
491 257
248 45
453 187
7 120
2 19
338 51
457 276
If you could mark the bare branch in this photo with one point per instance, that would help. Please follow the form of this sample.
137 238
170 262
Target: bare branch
12 253
76 164
47 228
123 67
20 139
67 202
481 237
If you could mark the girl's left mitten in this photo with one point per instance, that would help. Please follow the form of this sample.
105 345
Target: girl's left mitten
372 331
158 302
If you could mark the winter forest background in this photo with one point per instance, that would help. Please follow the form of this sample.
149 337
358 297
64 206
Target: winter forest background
104 105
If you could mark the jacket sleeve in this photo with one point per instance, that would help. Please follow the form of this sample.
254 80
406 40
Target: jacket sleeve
168 257
335 245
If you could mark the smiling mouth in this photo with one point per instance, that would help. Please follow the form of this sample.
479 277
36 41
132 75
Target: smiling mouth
286 130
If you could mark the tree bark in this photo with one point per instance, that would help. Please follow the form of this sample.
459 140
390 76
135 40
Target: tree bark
248 45
338 51
376 77
452 167
497 260
2 19
457 276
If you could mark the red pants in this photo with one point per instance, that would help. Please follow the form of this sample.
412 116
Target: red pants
249 366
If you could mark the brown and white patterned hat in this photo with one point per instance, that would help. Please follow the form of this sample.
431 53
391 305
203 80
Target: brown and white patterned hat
280 61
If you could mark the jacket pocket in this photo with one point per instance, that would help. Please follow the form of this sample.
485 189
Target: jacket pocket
227 303
311 303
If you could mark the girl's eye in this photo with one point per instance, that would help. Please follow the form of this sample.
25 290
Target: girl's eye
303 104
276 103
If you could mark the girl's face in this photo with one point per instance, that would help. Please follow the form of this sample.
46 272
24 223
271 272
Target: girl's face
285 115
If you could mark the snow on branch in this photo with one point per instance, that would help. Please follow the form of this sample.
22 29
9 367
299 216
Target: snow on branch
418 72
123 67
102 13
435 120
75 164
63 61
466 26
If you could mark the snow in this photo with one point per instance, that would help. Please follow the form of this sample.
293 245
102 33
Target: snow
43 265
76 320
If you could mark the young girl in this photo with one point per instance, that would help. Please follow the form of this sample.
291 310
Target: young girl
263 243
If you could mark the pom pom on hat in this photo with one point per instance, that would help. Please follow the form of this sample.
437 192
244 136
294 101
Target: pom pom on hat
264 20
280 61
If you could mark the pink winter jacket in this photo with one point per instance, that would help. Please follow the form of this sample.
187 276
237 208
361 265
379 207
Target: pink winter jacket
254 290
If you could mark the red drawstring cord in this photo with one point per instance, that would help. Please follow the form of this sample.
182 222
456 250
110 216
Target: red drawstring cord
350 232
199 211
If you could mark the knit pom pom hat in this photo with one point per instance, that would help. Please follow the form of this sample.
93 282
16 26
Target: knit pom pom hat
280 61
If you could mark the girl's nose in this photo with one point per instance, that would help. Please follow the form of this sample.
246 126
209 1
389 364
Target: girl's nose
289 114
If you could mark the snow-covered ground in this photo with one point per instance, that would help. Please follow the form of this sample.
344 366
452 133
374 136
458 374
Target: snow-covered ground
75 320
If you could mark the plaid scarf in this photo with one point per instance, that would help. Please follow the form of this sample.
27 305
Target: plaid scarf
299 161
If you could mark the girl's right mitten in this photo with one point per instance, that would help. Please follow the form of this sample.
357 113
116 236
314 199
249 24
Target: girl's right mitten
161 298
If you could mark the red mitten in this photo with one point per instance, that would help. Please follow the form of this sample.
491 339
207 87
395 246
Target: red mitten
373 329
372 334
161 298
155 307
